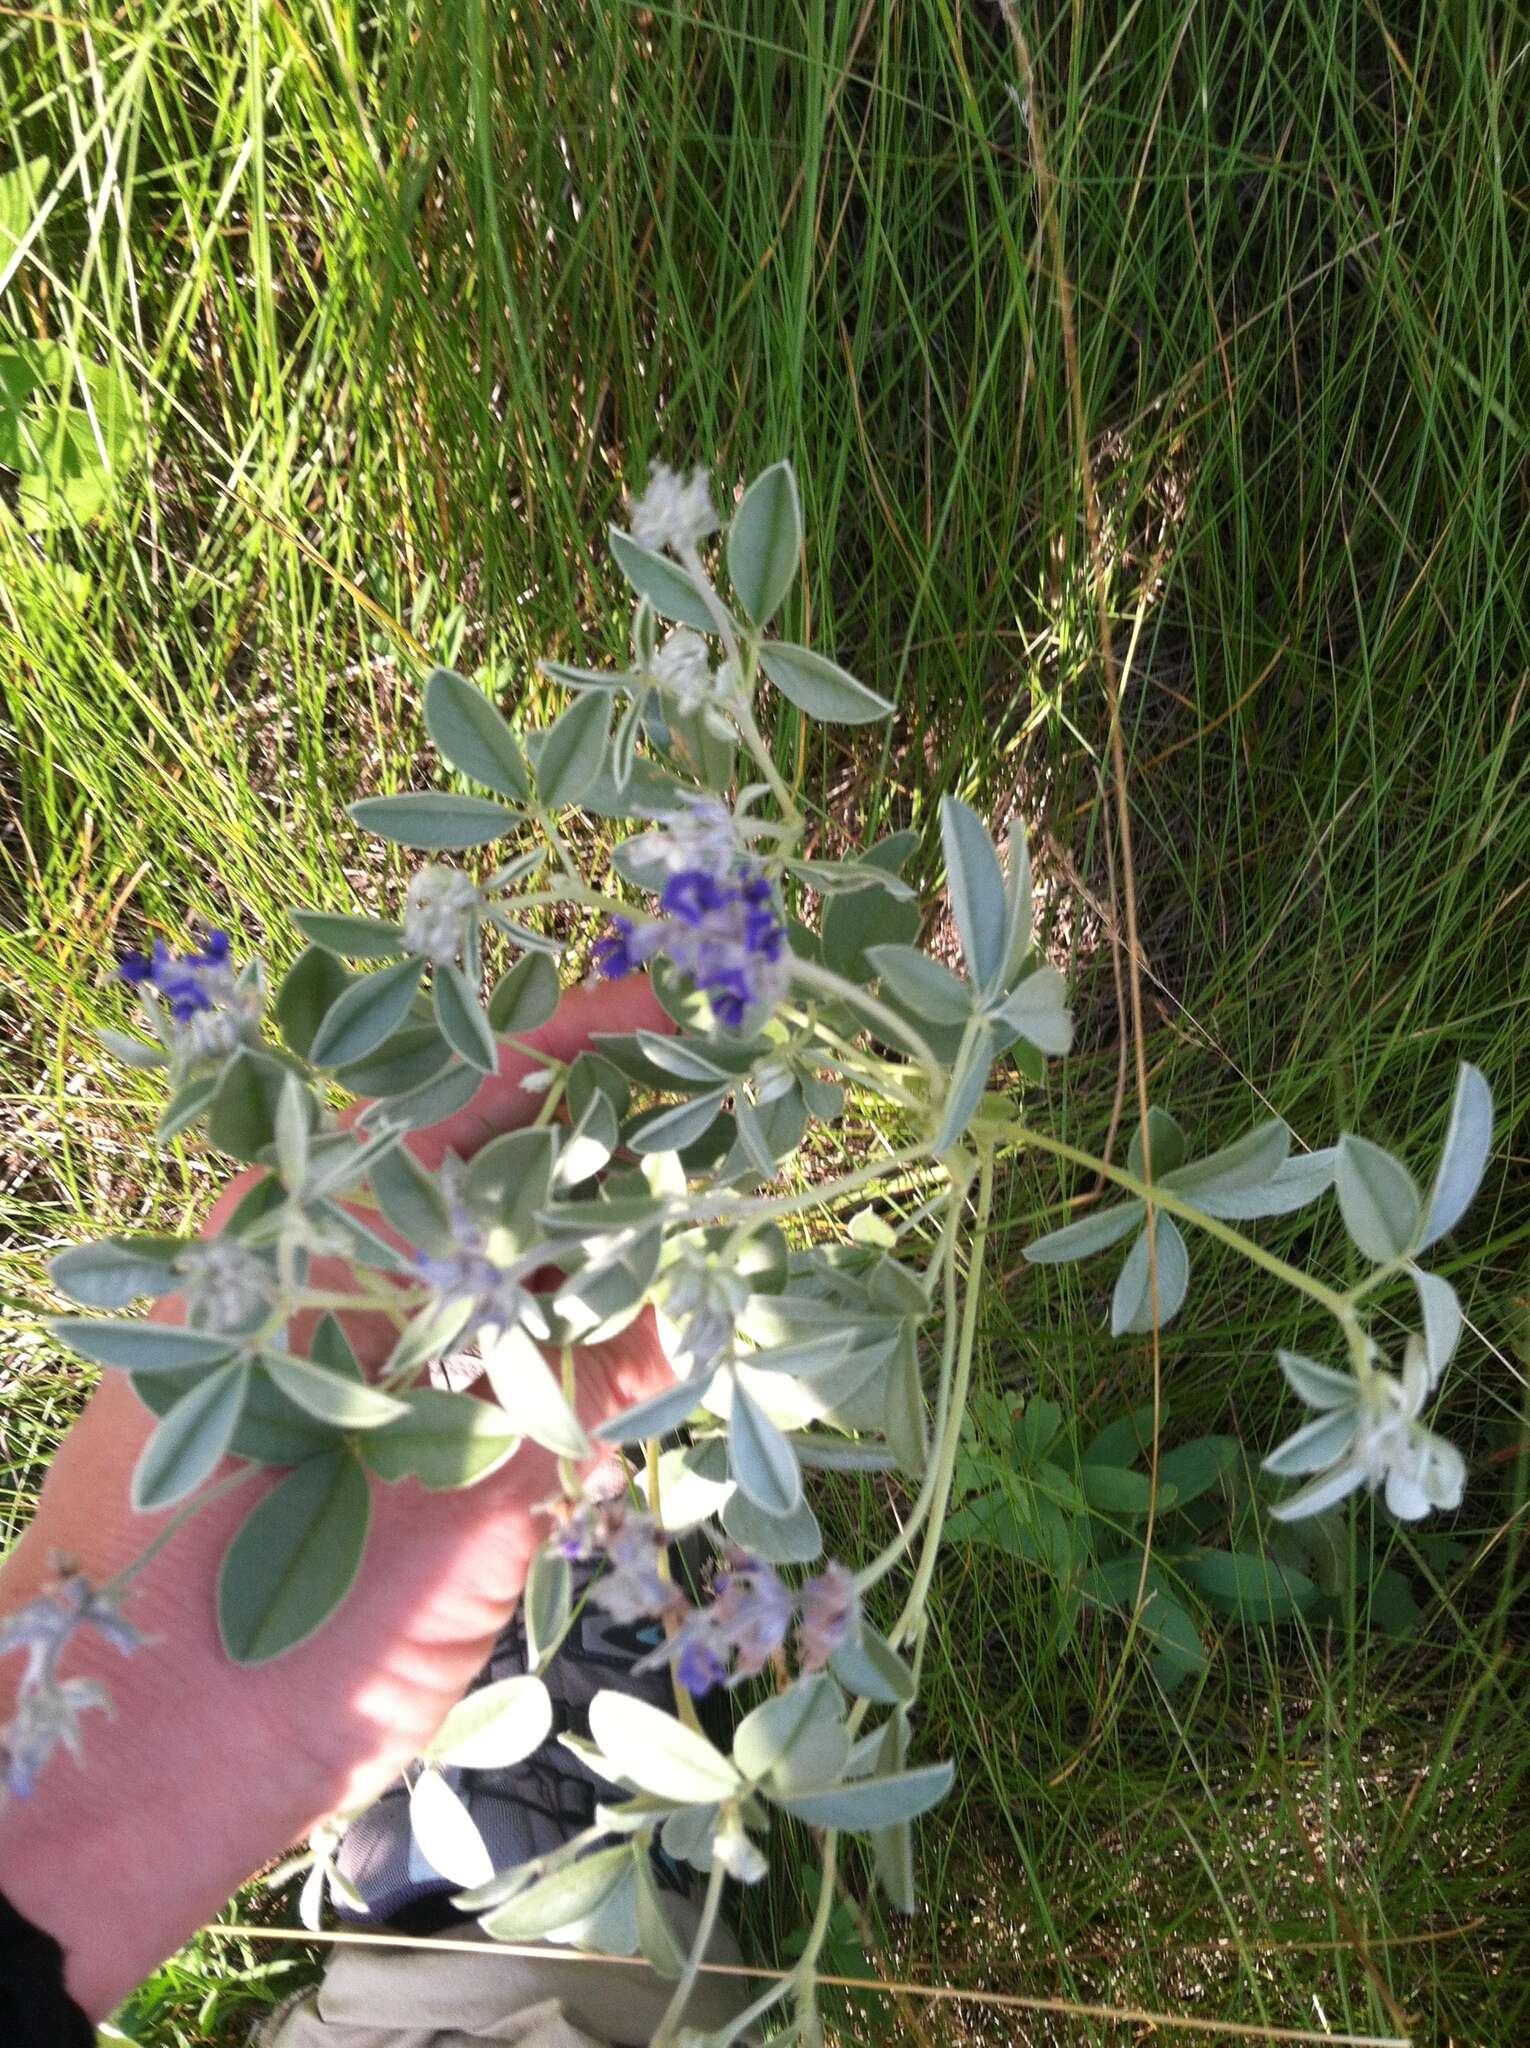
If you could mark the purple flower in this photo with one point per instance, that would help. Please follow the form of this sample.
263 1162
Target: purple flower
718 924
182 982
48 1708
692 896
634 1586
828 1609
626 948
214 954
210 1013
698 1665
752 1613
467 1280
492 1294
747 1622
46 1716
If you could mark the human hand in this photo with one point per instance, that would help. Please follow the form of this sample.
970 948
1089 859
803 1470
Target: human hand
209 1768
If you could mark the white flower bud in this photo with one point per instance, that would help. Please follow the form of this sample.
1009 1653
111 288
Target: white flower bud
674 512
226 1287
436 911
683 669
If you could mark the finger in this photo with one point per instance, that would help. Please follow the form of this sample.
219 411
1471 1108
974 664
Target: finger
502 1104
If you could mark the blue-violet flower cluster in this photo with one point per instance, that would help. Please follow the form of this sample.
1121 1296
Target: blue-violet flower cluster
722 929
735 1634
208 1014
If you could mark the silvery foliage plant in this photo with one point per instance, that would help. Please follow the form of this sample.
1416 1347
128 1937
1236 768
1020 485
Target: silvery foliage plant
657 1174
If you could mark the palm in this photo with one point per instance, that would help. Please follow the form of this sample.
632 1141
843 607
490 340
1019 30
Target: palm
336 1718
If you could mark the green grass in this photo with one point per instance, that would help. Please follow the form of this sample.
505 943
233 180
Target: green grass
405 295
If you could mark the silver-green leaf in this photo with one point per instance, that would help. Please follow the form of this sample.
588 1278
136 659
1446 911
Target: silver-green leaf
658 1753
547 1602
969 1077
371 1010
494 1726
759 1456
929 989
461 1019
672 1129
1377 1198
348 937
871 1802
671 591
294 1559
472 736
193 1435
444 1440
1037 1011
445 1833
435 821
820 687
569 1894
764 542
1132 1306
1464 1155
979 902
140 1346
573 752
116 1271
1081 1240
330 1396
525 998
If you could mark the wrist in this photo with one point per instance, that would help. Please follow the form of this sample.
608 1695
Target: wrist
204 1770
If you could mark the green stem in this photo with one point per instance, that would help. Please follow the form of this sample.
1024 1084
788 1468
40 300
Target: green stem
575 892
880 1566
754 740
550 1102
740 707
664 2035
946 1455
568 1471
362 1299
1159 1197
806 1972
122 1581
858 1065
543 821
720 1207
807 974
804 1975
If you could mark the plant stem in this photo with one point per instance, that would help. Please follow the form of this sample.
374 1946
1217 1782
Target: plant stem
1338 1305
861 1066
946 1454
880 1566
664 2034
575 891
568 1472
122 1581
807 974
754 740
369 1298
804 1975
551 1101
739 706
718 1207
806 1972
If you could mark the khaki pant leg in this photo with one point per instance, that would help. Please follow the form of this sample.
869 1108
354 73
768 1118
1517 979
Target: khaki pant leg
381 1996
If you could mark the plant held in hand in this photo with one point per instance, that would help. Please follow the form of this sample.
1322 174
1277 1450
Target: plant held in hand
651 1183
